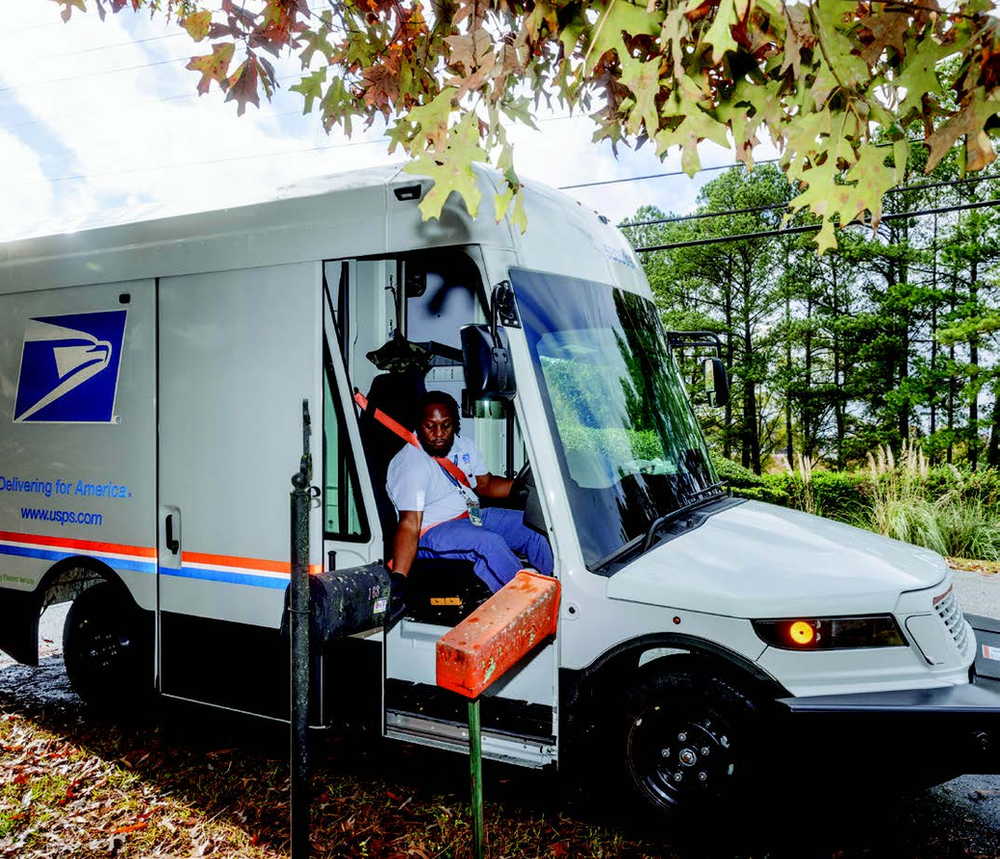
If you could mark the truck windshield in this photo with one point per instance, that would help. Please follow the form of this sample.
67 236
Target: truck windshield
628 442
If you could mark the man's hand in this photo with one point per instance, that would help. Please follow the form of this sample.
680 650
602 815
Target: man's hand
397 597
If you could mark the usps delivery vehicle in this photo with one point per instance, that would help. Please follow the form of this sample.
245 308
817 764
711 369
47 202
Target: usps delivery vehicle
152 377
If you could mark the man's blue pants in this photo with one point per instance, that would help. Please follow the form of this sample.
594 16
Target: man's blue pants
489 546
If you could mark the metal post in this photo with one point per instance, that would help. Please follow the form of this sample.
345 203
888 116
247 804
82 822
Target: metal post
300 648
476 771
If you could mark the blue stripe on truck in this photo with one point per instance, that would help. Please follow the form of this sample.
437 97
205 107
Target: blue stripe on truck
226 576
49 555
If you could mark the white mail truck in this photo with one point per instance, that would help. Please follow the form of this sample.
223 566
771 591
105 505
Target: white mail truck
152 376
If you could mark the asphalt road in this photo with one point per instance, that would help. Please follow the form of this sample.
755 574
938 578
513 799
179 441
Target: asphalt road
959 818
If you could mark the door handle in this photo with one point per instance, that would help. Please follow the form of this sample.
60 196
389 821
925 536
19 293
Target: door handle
172 544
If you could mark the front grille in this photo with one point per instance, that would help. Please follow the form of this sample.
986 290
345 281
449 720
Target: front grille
951 615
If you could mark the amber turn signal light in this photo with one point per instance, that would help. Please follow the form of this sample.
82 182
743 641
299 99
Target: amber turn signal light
802 633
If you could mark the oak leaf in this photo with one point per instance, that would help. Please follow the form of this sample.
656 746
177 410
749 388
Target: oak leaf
197 24
68 6
339 105
432 118
214 66
243 85
969 121
918 74
887 29
619 16
643 79
311 88
316 41
720 34
799 37
452 169
380 89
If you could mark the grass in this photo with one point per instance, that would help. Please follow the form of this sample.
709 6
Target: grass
958 524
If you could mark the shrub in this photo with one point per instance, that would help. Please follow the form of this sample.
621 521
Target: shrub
950 511
746 484
836 494
736 474
959 523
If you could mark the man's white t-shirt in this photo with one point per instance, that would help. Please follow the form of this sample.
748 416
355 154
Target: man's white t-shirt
415 481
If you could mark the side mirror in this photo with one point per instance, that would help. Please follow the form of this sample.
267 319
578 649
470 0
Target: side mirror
489 373
716 382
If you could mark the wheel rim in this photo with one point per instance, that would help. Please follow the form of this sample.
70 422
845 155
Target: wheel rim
104 648
680 758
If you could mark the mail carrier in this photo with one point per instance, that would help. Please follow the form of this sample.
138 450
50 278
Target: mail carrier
152 377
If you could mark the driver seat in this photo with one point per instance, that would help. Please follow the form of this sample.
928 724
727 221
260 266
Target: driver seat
439 591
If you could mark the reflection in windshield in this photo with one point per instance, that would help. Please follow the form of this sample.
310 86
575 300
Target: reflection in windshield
629 445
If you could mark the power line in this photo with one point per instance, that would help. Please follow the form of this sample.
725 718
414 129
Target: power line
115 108
28 29
788 231
683 172
702 215
28 84
657 175
919 186
65 54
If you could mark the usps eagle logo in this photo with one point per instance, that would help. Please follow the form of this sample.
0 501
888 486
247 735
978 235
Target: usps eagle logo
69 368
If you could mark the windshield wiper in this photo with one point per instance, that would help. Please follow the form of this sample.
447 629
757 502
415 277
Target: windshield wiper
702 496
699 499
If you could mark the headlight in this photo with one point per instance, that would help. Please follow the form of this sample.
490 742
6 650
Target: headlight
831 633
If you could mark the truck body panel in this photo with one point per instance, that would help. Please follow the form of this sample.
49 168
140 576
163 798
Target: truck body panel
152 381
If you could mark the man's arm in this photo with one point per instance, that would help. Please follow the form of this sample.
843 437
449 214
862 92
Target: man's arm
490 486
404 544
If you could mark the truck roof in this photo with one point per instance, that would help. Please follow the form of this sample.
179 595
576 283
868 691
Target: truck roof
325 217
368 212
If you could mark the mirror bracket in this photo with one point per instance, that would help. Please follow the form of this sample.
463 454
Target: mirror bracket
696 340
503 308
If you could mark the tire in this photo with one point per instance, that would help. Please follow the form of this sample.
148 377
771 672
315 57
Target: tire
108 650
684 745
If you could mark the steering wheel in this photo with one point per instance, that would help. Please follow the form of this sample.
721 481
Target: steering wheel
523 482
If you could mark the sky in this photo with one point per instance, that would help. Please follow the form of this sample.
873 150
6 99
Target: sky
102 120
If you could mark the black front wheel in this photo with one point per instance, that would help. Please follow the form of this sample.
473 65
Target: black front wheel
685 741
108 650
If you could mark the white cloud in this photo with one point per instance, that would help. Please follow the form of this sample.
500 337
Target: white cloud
24 205
82 141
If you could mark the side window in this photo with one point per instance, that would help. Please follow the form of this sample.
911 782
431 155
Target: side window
343 517
443 290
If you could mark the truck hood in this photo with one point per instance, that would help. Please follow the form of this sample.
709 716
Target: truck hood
758 560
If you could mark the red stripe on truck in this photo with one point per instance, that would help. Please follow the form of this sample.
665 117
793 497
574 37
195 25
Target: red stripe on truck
83 545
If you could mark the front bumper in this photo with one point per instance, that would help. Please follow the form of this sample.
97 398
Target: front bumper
955 727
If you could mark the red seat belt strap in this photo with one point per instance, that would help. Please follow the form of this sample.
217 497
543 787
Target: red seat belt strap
407 436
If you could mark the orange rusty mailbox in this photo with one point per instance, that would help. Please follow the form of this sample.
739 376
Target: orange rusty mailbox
498 634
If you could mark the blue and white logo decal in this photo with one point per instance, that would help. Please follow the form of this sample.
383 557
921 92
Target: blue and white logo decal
69 368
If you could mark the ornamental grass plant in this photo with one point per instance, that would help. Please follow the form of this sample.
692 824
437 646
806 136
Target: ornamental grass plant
960 523
898 506
951 511
968 525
